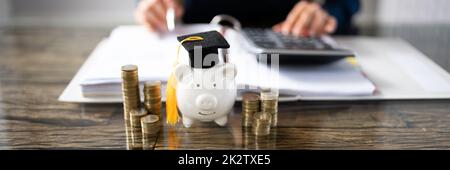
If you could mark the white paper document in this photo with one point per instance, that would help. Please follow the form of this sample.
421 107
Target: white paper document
155 55
99 79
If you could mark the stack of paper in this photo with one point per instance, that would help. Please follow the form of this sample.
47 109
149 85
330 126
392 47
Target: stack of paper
155 55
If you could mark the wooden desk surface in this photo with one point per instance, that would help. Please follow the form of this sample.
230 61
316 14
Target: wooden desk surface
37 64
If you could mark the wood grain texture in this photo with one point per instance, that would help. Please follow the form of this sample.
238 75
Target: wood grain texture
36 64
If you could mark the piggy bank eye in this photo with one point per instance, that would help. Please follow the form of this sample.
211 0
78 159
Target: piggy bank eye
214 84
198 85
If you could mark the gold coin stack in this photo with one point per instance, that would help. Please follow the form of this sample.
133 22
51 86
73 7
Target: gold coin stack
135 118
246 137
134 130
261 123
152 97
269 104
128 135
136 135
250 105
150 124
133 137
130 89
148 141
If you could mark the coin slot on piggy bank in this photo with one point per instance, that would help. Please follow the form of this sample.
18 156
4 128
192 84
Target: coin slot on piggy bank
206 89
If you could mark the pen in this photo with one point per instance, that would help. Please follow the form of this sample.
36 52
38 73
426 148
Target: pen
170 19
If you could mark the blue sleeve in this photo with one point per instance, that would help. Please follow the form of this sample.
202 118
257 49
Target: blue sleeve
343 10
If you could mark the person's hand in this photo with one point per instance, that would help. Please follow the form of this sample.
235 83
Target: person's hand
307 19
152 13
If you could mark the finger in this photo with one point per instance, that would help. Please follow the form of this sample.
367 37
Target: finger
309 20
330 25
293 16
145 15
140 17
319 21
176 6
179 10
160 8
156 22
303 23
277 27
138 13
160 11
169 3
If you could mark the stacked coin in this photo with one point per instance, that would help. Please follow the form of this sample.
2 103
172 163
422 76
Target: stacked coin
129 138
130 89
148 141
152 97
250 105
261 123
269 104
136 135
248 139
135 117
133 137
150 124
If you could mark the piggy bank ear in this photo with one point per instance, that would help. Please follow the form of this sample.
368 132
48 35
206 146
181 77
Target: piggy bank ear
182 71
228 71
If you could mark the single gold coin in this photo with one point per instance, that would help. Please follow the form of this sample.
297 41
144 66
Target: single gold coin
150 124
261 123
149 119
152 83
129 68
248 97
136 116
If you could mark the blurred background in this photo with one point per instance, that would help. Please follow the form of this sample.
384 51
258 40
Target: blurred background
424 23
114 12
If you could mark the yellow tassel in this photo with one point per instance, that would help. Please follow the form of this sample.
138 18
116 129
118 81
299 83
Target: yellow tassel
171 101
171 91
352 60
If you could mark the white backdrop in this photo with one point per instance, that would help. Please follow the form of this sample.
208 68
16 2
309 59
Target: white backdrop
72 12
4 12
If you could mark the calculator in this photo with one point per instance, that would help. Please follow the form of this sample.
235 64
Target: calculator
293 49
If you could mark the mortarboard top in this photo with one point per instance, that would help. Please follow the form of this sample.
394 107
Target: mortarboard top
212 41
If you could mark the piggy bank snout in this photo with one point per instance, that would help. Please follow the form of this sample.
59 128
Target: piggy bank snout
206 101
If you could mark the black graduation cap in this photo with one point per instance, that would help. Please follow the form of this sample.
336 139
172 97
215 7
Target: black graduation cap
212 40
